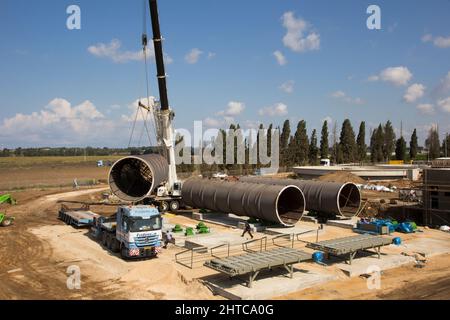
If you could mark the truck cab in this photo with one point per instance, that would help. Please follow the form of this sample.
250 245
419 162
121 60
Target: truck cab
134 231
138 230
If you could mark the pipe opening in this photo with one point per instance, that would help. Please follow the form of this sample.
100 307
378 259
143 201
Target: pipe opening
349 200
131 179
290 205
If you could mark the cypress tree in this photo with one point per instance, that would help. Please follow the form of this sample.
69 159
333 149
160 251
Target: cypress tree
389 141
433 144
400 149
301 144
347 142
361 142
313 150
324 147
413 145
284 143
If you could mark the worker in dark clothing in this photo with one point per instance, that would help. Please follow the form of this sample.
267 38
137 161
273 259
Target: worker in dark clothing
247 229
168 239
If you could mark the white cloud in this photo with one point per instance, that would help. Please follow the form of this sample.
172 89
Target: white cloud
278 109
234 108
288 86
218 123
112 51
414 92
398 76
139 113
341 95
281 59
444 104
211 55
440 42
426 108
58 123
193 56
297 37
444 86
212 123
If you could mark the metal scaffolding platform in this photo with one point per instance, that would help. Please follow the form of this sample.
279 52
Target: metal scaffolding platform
253 263
351 245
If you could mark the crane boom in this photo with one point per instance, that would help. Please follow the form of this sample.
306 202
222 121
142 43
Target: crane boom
163 115
159 57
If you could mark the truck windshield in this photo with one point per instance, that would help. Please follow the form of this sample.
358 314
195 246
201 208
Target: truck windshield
153 223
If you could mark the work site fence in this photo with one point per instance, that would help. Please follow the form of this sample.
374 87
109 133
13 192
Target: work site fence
197 256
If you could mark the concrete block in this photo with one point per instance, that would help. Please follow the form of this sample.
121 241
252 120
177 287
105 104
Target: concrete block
267 285
197 216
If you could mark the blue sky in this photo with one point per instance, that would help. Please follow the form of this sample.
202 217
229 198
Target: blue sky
77 87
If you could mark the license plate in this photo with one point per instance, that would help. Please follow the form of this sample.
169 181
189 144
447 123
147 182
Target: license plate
148 248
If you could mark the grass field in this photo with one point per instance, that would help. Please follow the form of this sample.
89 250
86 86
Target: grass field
18 162
47 172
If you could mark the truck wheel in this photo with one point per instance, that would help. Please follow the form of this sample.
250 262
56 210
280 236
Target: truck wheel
115 246
163 206
174 205
109 241
6 223
104 236
123 252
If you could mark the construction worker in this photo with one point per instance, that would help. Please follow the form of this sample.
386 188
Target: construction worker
247 229
168 239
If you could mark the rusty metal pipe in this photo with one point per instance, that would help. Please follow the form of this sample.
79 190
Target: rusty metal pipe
328 197
280 204
134 178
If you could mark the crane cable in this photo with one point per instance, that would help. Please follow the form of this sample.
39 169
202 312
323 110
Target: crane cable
139 108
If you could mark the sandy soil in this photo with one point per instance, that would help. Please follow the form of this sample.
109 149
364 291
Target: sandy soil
406 282
40 248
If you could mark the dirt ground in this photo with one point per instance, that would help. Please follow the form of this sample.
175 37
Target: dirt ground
39 248
406 282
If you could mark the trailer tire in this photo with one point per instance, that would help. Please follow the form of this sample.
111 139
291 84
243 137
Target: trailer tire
174 205
109 241
104 236
164 206
115 245
123 252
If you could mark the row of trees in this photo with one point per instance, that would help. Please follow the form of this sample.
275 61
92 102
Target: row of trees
64 152
297 149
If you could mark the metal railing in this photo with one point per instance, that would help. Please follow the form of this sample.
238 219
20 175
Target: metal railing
262 244
191 250
220 246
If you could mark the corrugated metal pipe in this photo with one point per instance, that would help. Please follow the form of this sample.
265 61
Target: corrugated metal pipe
280 204
134 178
328 197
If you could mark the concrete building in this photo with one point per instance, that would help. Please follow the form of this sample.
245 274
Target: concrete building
372 173
436 195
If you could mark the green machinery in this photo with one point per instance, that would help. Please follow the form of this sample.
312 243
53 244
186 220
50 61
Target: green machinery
4 219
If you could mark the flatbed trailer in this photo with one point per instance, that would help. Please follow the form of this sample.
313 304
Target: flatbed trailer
252 264
350 246
77 218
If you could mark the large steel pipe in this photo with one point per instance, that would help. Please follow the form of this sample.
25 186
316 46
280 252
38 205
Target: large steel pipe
329 197
134 178
280 204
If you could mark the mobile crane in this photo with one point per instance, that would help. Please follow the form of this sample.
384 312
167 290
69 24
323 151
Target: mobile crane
167 196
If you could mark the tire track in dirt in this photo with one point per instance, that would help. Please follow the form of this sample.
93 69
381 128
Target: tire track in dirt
28 270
